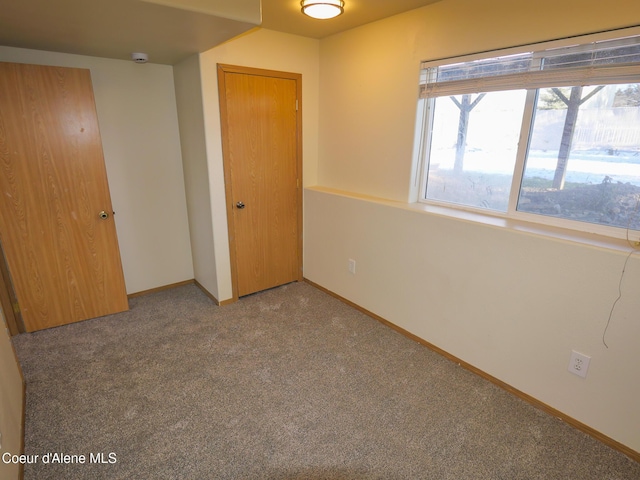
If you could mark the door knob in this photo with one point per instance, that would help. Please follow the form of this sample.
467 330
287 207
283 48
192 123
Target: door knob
240 205
103 215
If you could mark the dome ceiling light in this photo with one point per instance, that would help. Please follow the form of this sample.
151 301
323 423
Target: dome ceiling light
322 9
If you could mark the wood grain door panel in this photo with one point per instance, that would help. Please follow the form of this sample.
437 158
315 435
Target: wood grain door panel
261 151
64 260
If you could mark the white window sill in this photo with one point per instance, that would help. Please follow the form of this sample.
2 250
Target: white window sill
554 233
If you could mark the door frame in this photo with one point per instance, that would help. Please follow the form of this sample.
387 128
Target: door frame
8 299
297 77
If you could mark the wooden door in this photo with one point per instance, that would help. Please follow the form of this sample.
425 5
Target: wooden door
63 258
261 129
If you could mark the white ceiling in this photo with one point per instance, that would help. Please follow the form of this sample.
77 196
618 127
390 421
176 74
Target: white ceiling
168 30
285 16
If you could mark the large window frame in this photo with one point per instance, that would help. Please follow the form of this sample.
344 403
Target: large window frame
530 79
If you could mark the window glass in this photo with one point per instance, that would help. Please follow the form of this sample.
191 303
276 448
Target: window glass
547 135
473 148
583 159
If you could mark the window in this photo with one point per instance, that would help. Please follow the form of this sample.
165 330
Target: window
551 136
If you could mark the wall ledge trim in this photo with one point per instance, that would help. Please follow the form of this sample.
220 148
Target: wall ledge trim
487 220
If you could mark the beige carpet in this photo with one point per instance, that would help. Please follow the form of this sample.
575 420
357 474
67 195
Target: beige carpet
286 384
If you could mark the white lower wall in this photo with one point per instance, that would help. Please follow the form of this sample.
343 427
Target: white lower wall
511 303
139 128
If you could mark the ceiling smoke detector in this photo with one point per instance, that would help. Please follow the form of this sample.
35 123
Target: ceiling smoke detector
139 57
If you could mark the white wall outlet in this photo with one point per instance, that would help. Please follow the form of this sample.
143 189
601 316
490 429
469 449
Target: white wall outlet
352 266
579 363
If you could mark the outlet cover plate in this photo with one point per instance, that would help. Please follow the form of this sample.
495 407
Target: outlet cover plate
579 363
352 266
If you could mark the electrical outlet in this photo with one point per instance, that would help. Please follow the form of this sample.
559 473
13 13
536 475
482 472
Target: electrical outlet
579 364
352 266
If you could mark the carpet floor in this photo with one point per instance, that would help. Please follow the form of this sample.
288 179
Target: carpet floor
286 384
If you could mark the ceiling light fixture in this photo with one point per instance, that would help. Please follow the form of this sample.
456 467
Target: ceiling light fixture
322 9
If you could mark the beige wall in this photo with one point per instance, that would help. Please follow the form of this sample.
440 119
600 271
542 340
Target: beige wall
196 171
369 76
511 303
272 51
139 127
11 402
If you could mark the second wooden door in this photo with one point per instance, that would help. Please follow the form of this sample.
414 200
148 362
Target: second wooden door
261 129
